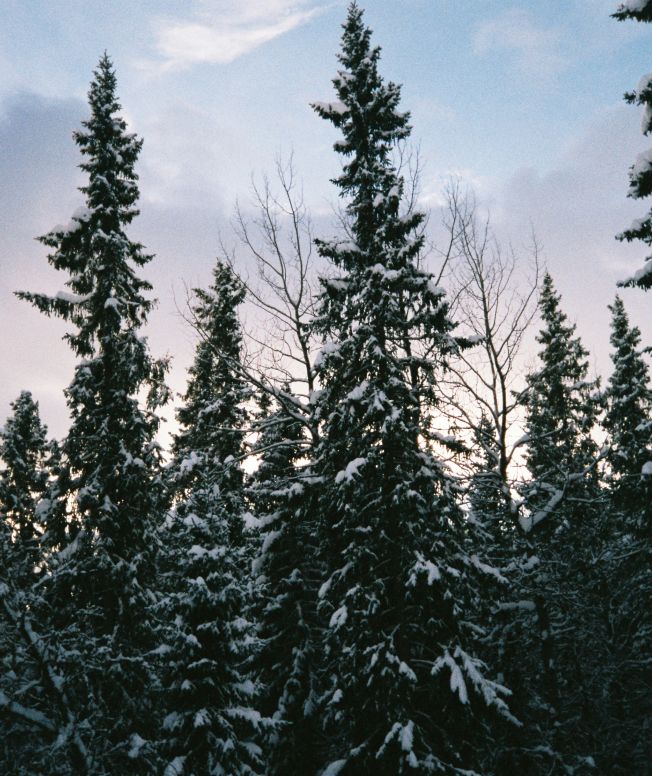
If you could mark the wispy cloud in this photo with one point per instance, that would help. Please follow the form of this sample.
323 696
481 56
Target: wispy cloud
537 51
220 31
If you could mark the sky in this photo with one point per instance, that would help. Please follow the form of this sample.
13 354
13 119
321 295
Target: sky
521 100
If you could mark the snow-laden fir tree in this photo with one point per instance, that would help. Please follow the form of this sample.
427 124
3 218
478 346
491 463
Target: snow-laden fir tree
628 417
99 586
563 501
640 175
28 459
404 690
214 414
286 581
210 728
279 446
561 410
625 585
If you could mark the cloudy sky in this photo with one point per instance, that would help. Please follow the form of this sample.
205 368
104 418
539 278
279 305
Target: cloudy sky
521 99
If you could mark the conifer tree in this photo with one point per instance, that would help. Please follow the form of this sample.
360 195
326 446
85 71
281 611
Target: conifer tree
210 726
99 588
213 414
561 410
404 691
286 574
625 584
28 459
564 503
634 601
279 446
640 175
628 418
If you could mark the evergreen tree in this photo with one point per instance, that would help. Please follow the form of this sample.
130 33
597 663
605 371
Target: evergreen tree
404 690
564 502
210 727
626 579
286 579
99 589
561 411
28 460
279 446
640 176
214 414
628 419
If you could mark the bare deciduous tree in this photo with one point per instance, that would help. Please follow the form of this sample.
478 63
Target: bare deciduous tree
495 302
278 236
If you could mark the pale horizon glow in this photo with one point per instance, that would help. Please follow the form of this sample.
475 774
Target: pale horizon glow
523 100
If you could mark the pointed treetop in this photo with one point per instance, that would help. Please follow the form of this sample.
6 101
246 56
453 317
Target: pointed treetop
93 248
551 312
367 109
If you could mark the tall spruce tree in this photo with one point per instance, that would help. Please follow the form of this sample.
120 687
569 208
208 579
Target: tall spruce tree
628 418
634 602
640 175
210 727
98 592
563 498
286 582
404 691
626 584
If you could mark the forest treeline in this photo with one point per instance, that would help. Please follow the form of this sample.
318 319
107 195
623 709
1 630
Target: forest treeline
438 564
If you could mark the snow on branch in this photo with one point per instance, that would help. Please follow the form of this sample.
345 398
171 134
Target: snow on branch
25 713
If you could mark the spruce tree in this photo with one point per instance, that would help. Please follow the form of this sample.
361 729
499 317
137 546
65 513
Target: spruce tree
28 460
640 175
634 601
279 446
286 582
628 418
99 589
561 411
404 691
210 727
26 715
626 579
564 501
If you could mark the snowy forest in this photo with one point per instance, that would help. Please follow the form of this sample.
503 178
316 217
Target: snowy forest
381 541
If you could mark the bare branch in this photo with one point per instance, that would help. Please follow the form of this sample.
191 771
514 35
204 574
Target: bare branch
495 302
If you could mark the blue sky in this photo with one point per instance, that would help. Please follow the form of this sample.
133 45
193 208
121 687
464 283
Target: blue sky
522 99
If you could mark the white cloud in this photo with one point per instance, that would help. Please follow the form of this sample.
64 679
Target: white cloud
576 209
433 194
536 51
220 31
